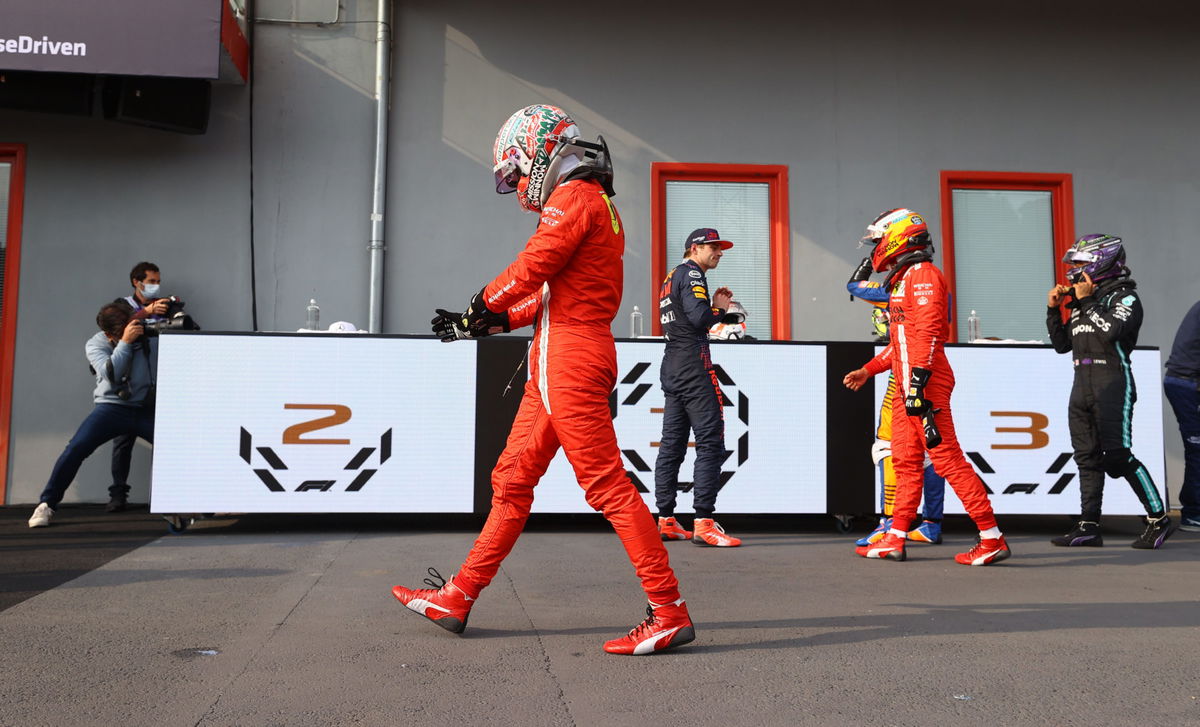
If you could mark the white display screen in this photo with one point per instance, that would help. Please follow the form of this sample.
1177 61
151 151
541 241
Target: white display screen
777 463
313 424
1001 388
265 423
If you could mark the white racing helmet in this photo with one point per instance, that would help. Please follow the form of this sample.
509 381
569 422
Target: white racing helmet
732 326
533 151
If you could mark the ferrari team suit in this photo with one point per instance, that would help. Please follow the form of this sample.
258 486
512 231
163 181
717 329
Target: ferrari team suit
1182 386
568 277
933 485
1100 334
918 328
693 398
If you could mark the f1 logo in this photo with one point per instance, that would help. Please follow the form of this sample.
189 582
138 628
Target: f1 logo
1038 438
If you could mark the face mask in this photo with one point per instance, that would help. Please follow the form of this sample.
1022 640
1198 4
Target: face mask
150 290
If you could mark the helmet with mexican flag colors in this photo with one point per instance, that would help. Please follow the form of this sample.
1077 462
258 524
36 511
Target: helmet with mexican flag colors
533 151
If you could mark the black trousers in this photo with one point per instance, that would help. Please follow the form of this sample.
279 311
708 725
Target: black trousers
1100 416
693 403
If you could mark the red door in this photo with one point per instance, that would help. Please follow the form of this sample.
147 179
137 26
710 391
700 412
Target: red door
12 188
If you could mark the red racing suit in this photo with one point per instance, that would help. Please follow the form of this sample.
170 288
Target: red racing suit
918 328
568 277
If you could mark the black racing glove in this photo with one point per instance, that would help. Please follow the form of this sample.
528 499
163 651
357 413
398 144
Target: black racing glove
449 326
480 322
915 403
933 436
863 271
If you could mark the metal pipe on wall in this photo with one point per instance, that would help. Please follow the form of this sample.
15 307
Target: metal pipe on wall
383 61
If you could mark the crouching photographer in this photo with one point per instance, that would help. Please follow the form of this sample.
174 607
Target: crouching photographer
125 362
159 313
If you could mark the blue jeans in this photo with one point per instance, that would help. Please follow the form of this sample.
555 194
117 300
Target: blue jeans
1184 395
106 422
122 457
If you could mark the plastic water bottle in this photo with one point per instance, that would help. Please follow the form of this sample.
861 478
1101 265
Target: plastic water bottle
972 327
635 323
312 320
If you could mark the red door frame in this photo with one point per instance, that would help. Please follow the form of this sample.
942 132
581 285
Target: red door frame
775 176
1062 210
13 154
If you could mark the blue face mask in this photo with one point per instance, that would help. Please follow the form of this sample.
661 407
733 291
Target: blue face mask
150 291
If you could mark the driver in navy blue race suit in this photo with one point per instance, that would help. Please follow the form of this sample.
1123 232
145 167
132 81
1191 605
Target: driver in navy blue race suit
1100 333
693 396
1182 386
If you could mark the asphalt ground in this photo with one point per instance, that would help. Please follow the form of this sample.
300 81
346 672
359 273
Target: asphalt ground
289 620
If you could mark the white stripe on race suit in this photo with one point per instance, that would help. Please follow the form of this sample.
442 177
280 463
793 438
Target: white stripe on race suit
543 344
902 342
648 645
420 605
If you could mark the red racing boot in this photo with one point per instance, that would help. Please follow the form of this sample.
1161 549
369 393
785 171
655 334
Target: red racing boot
986 552
670 529
665 627
448 606
710 532
890 546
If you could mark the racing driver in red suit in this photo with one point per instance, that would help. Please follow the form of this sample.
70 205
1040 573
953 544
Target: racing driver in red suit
921 420
568 279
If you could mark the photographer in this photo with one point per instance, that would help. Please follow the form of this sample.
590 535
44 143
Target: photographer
125 366
146 280
157 312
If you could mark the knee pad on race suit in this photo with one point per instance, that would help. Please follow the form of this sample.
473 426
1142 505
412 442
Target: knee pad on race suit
1118 462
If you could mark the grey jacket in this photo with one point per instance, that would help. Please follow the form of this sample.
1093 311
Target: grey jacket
132 369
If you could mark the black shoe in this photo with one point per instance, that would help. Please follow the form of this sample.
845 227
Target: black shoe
1157 530
1085 533
116 504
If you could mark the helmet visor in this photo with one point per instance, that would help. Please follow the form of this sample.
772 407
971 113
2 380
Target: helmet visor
873 236
508 171
507 179
1080 257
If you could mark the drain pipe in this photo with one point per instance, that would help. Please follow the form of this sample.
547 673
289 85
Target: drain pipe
383 63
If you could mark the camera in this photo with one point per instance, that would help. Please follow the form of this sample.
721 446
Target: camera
175 319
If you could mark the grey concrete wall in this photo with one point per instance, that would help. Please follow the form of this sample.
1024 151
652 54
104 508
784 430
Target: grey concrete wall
313 156
99 197
866 105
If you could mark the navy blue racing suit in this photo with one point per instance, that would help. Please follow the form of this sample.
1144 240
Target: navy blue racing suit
1182 387
693 395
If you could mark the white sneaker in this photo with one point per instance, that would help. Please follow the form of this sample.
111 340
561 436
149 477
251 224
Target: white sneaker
41 516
